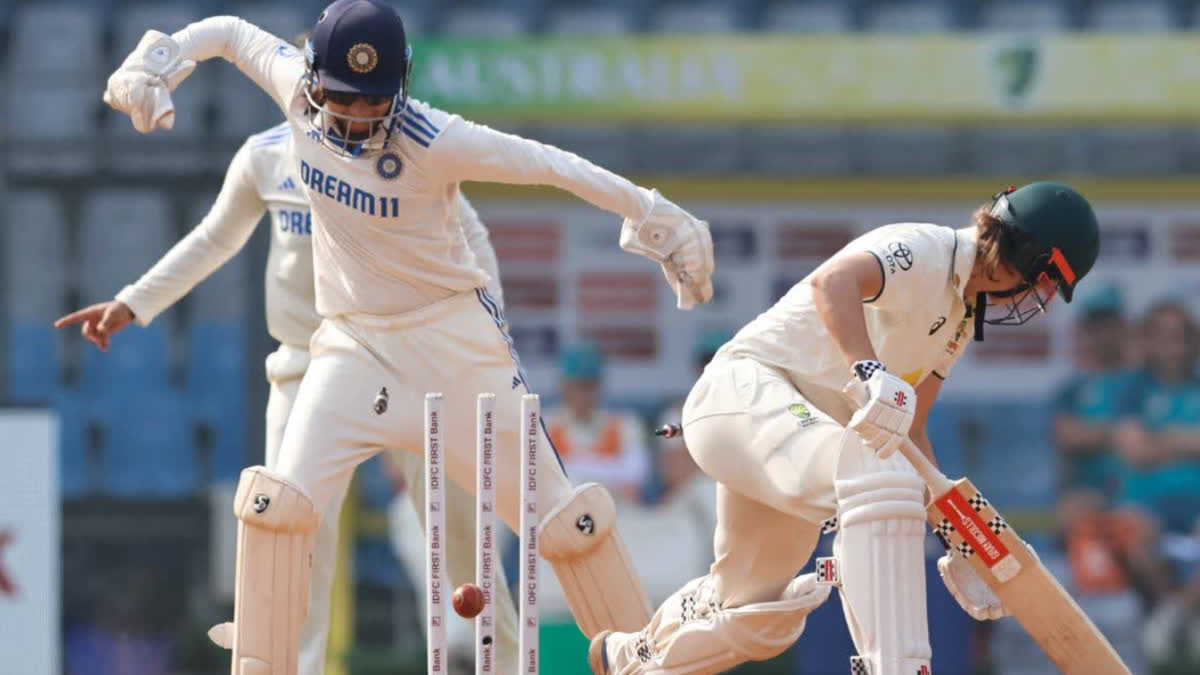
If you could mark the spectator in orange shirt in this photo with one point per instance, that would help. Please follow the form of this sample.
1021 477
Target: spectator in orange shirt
596 444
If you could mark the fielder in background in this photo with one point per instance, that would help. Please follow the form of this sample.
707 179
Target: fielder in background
773 421
403 303
262 179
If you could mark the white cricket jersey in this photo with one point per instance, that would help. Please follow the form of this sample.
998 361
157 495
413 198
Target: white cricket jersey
262 178
918 323
386 232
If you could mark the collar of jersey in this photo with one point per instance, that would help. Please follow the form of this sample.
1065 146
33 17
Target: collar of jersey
966 242
341 143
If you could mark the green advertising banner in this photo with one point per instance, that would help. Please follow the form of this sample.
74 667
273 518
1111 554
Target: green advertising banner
816 78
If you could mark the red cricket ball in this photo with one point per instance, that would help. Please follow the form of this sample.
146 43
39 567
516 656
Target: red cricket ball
468 601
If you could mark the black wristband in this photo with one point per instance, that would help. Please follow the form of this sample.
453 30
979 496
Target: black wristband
865 369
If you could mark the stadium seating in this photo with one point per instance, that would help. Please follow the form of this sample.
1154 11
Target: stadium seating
694 17
147 447
494 20
690 148
908 150
968 444
35 255
1024 15
1130 15
809 150
807 17
34 353
1010 152
284 20
53 141
588 20
76 477
135 361
41 35
35 283
123 233
907 16
254 110
419 16
217 375
1133 150
612 149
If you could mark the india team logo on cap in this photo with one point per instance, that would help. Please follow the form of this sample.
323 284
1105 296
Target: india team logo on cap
389 165
362 58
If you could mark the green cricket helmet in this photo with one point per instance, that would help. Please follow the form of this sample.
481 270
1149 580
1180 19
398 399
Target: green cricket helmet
1053 242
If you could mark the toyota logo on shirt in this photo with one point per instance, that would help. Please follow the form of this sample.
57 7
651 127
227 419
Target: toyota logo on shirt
902 254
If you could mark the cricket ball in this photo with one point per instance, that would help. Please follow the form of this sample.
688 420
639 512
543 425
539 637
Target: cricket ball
468 601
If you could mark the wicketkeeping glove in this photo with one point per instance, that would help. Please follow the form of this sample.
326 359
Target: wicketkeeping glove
678 241
886 407
142 86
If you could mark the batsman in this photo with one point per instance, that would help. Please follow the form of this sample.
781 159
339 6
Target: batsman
798 418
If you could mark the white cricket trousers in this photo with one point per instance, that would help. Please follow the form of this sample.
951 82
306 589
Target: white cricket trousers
460 542
457 347
773 454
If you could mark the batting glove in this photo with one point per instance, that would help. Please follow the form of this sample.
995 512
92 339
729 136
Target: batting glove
973 595
886 407
679 242
142 86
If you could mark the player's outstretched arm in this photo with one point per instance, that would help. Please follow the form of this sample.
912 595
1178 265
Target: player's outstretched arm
219 236
142 86
654 227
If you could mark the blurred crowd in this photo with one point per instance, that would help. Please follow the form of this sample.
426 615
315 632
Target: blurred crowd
1127 428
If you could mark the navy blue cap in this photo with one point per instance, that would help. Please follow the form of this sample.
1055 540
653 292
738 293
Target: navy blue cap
359 46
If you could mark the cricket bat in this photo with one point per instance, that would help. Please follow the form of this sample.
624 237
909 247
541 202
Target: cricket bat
976 531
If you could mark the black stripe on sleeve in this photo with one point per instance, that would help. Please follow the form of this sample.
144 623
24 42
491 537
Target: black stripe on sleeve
882 277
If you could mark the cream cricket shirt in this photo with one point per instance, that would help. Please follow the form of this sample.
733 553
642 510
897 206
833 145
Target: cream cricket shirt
262 178
918 323
386 232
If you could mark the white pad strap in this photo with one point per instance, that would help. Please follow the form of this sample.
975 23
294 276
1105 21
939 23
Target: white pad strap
276 525
580 540
693 634
881 559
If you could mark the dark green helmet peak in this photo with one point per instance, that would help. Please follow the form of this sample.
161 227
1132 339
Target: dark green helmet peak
1062 236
